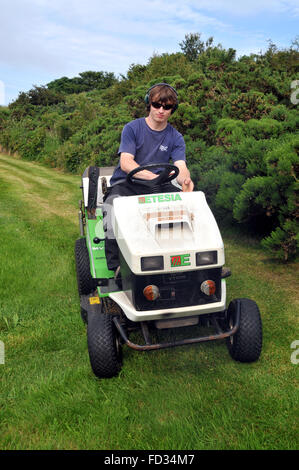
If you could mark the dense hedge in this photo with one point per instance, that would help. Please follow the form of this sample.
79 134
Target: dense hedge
239 123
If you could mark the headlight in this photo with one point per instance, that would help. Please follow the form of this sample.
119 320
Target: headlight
151 292
152 263
208 287
205 258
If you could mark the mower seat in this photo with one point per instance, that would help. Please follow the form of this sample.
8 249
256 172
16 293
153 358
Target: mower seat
95 181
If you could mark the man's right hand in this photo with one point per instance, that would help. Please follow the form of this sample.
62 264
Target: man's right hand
146 175
127 164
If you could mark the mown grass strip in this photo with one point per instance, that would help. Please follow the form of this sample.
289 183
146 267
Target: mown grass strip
185 398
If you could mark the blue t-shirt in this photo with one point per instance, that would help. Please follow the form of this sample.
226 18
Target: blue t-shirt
149 146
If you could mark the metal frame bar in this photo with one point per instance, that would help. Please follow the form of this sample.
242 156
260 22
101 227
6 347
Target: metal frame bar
150 347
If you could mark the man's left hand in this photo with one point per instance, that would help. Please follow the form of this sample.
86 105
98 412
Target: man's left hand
187 185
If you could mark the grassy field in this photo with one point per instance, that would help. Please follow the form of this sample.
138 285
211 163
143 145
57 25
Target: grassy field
193 397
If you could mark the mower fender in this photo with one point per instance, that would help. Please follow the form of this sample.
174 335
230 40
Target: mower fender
91 304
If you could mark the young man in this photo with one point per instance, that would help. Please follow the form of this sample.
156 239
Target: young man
145 141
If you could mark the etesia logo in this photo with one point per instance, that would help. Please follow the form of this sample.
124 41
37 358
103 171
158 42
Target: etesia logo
180 260
159 198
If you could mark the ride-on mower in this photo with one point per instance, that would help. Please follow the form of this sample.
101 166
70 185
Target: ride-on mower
172 274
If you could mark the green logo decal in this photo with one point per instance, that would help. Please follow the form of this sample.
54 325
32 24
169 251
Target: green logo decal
180 260
159 198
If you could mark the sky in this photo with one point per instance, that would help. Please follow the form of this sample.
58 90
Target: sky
42 40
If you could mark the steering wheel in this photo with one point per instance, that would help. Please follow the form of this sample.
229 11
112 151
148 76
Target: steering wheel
163 177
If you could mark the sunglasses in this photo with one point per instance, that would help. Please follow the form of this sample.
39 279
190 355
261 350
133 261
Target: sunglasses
157 105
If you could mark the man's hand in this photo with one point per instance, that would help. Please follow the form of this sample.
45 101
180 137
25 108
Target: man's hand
127 164
187 185
183 177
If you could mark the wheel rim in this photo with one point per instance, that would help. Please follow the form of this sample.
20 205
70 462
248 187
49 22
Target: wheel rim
231 326
118 346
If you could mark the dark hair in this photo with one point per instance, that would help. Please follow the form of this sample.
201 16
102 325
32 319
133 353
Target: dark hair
163 93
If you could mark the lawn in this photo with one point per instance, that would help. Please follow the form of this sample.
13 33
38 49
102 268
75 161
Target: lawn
192 397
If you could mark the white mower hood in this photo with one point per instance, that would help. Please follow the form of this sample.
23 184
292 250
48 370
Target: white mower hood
175 226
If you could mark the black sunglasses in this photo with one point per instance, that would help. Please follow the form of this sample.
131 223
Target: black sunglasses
157 105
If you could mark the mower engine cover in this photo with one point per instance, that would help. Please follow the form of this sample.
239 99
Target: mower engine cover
167 232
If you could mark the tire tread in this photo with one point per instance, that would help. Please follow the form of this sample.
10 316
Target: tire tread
86 283
247 342
104 359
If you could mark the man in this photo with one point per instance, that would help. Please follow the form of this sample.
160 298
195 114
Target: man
145 141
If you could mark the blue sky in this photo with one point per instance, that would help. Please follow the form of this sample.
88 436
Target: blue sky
47 39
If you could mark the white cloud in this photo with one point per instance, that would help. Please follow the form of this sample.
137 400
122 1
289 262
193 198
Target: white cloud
55 34
53 38
60 35
244 8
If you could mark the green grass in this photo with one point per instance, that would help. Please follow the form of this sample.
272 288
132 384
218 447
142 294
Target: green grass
193 397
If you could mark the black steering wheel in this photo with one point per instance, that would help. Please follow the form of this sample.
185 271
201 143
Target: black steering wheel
165 176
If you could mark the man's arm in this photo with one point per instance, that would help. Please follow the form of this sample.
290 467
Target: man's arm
127 164
183 177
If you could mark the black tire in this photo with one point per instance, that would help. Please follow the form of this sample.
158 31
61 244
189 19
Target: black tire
86 283
84 316
104 346
246 344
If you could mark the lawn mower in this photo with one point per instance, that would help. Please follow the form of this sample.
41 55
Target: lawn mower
173 278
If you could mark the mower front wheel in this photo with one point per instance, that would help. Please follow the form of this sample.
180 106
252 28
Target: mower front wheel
104 345
246 344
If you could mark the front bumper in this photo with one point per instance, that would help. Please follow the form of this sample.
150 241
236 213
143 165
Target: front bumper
149 346
145 315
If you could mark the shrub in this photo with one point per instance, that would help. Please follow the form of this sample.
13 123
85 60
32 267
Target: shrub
235 114
271 201
283 242
264 128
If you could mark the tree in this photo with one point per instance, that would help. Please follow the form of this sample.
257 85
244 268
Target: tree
86 81
192 46
96 80
38 96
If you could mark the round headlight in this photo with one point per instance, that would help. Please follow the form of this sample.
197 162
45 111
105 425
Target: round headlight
151 292
208 287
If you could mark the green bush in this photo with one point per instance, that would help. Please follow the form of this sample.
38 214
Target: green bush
283 242
272 200
264 128
236 116
71 157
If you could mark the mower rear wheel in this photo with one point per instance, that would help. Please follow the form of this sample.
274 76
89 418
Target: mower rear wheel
246 344
104 345
86 283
